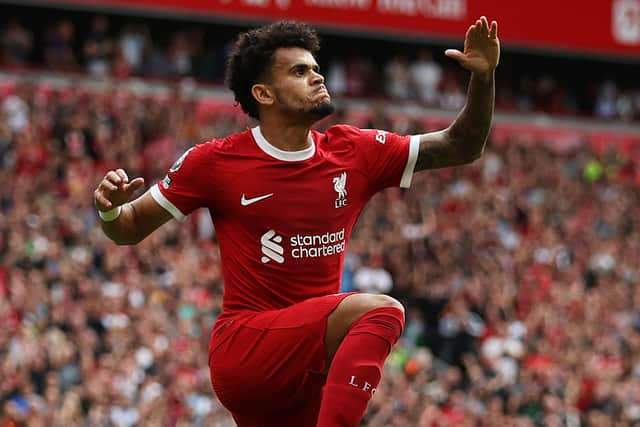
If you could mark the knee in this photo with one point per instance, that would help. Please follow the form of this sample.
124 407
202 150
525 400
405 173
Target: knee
382 301
387 301
358 305
386 314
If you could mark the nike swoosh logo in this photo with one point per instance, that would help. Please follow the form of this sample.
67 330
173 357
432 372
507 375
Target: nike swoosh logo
246 202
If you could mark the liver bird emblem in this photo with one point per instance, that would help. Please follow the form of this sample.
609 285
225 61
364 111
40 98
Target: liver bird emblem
339 184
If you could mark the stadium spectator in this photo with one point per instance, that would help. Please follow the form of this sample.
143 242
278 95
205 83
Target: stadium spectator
180 54
99 48
426 77
337 78
372 277
398 78
58 52
133 42
16 43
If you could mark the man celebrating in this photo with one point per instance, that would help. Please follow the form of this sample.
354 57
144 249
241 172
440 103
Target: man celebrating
288 350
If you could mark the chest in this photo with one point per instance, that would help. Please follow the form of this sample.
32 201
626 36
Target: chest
302 197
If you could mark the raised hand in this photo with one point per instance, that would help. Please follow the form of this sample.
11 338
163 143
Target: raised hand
115 190
481 48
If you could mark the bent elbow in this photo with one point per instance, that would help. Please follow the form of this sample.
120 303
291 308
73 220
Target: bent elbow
471 156
126 241
476 155
480 144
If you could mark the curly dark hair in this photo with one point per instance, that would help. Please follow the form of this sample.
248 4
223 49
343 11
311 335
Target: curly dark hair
253 54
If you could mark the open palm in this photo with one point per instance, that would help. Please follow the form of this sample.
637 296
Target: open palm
481 48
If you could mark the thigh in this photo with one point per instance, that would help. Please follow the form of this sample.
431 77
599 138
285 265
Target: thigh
305 414
263 363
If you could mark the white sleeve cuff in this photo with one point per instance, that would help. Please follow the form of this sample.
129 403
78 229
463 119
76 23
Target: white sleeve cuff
165 203
414 144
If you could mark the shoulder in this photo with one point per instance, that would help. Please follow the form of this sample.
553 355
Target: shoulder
235 141
209 150
354 133
341 136
338 132
198 156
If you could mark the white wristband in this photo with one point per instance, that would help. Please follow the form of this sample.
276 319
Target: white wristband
110 215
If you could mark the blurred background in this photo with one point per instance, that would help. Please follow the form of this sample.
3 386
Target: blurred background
520 273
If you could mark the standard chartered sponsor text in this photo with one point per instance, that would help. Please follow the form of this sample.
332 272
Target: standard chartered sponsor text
317 245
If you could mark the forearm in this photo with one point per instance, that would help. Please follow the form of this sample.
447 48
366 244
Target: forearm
124 230
463 141
471 127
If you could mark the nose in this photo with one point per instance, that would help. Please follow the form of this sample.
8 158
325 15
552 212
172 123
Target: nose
317 78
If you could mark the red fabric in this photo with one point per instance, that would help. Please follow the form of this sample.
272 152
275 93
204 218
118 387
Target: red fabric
266 367
357 367
259 202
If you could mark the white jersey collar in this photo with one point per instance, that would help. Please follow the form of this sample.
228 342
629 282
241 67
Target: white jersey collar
288 156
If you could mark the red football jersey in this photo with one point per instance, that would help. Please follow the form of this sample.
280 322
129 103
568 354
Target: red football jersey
282 218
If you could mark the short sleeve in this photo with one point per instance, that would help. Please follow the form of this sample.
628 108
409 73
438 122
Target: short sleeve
388 159
184 187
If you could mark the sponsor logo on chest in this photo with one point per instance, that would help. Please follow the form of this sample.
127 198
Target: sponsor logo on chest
301 245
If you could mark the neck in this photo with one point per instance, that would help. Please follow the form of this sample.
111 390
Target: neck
286 136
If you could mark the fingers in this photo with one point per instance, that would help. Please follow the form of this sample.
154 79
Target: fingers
134 185
137 182
123 175
474 32
484 26
101 202
115 189
493 33
454 53
470 31
109 185
113 177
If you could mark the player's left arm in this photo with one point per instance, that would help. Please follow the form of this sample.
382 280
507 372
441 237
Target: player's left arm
463 141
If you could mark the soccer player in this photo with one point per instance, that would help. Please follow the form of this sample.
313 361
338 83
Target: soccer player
287 349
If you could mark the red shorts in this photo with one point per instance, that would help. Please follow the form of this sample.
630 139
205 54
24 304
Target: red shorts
266 368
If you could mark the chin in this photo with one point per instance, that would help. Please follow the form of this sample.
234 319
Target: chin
322 110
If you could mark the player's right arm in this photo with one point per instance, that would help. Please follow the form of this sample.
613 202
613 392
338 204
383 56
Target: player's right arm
186 187
133 220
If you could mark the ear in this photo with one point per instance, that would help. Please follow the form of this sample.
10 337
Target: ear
263 94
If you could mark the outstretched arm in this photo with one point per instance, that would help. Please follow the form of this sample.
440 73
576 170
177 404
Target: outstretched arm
463 141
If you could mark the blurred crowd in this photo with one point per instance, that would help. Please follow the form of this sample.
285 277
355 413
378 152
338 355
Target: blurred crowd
120 48
519 273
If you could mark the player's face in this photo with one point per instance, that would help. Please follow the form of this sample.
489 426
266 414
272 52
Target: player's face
298 85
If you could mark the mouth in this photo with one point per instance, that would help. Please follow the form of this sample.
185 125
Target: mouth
321 90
